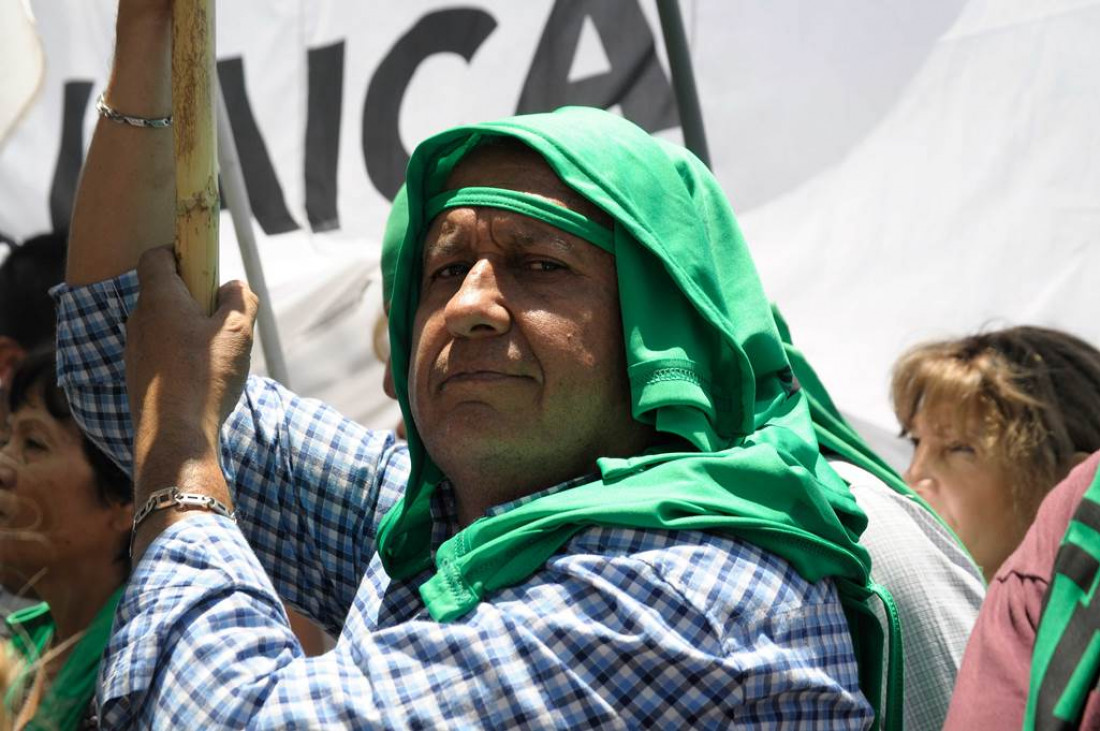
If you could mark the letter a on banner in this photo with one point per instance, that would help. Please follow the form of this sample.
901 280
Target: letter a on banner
635 81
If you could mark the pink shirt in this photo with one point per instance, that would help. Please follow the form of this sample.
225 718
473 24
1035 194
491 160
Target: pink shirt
992 685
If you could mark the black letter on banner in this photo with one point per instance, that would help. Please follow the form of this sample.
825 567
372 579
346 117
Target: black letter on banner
326 96
71 156
636 80
264 191
458 30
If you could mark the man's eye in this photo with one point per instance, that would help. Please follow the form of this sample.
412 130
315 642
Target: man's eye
960 448
542 265
34 444
450 271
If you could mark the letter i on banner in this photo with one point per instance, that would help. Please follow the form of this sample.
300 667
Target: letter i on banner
196 148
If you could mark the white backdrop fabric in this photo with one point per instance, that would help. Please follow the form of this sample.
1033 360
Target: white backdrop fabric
902 170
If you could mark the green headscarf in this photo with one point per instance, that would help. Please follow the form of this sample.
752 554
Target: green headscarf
396 224
705 363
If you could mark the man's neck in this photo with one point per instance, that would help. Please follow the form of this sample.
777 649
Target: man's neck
477 502
472 504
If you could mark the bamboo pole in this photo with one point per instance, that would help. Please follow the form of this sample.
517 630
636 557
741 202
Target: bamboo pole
193 110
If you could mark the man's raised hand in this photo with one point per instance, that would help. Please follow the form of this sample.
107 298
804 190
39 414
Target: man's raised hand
184 371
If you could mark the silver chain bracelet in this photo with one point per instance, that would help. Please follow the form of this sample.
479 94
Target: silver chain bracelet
171 497
108 112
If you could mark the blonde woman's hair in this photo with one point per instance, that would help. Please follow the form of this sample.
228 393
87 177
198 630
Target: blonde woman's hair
1029 397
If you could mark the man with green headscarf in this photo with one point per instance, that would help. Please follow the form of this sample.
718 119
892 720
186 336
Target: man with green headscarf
611 511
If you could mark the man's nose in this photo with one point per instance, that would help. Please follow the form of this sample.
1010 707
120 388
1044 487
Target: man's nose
478 308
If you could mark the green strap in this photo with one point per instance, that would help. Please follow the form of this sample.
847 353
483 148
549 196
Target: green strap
895 668
527 204
1066 661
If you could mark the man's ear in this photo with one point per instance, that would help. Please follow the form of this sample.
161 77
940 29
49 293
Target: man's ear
387 380
11 353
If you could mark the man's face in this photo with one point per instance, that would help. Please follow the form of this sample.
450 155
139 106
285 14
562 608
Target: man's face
518 376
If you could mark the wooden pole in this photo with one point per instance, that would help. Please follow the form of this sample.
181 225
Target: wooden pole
193 110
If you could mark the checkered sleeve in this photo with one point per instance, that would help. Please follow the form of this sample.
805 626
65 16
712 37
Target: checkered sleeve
91 340
309 485
650 632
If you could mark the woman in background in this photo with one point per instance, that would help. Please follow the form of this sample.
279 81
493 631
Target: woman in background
996 420
65 519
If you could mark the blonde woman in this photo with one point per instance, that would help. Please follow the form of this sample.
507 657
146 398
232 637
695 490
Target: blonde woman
996 420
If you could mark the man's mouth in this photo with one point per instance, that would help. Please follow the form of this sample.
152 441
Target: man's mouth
486 377
479 377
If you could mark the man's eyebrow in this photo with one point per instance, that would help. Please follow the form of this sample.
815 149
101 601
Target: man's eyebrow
545 235
445 246
454 242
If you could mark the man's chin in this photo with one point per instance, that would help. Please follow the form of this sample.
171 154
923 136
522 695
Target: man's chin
479 433
477 420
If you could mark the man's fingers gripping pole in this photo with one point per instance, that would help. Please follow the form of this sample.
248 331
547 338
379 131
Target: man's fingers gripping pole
159 279
237 306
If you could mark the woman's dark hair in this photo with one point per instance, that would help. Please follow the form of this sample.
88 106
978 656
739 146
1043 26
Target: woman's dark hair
36 377
27 313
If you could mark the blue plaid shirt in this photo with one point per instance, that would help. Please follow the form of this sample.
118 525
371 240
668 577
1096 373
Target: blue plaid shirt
623 628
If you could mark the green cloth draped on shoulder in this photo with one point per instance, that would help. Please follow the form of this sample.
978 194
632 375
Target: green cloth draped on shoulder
835 435
65 703
705 363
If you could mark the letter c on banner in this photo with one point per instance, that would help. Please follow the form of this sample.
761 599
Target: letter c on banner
457 30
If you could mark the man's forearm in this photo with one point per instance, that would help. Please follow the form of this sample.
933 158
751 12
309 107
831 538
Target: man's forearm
173 457
125 203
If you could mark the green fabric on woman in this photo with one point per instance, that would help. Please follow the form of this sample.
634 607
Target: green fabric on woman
706 366
1065 665
65 703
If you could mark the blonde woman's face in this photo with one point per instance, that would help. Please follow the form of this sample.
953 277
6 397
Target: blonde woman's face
967 487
